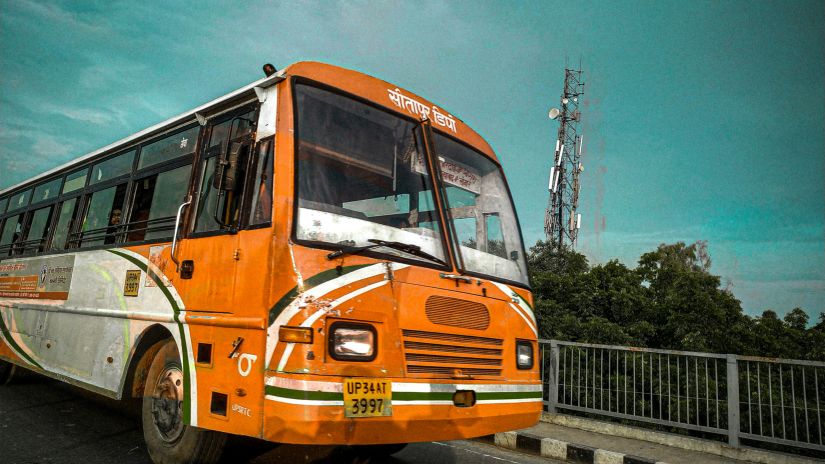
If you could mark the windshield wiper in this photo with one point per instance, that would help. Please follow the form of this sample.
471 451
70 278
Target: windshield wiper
408 248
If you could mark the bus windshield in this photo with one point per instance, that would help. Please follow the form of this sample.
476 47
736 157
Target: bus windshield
485 225
359 178
363 178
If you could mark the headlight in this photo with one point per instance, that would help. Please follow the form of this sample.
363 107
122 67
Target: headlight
352 342
524 354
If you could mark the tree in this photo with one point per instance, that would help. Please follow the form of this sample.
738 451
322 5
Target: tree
797 319
692 311
566 291
816 340
560 290
670 300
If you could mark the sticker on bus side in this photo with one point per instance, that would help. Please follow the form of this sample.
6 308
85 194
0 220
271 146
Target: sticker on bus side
160 261
131 284
37 278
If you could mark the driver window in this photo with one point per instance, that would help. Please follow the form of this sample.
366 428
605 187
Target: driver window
219 209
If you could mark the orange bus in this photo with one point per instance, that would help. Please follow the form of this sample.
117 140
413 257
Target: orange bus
319 257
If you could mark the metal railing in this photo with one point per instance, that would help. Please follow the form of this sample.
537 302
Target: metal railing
779 401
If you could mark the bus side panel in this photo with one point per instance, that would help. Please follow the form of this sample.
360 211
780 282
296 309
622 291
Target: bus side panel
87 337
230 381
253 273
210 288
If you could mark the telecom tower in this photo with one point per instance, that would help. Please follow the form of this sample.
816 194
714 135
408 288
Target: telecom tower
562 220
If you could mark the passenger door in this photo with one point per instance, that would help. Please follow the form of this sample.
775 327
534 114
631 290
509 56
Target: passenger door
211 249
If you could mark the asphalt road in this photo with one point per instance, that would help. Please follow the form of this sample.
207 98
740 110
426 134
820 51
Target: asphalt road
45 421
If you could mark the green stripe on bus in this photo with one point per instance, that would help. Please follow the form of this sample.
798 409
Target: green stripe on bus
448 396
14 344
314 281
187 411
304 394
422 396
482 396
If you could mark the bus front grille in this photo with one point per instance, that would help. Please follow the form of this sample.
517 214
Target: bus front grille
452 355
450 372
444 310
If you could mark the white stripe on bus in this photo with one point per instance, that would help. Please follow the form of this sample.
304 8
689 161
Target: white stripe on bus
311 319
315 292
281 399
526 320
402 387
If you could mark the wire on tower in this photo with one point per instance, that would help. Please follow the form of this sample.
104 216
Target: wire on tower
562 220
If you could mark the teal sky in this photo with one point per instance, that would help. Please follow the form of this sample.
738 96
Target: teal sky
702 120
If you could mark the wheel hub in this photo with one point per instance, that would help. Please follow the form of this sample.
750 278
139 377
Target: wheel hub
167 402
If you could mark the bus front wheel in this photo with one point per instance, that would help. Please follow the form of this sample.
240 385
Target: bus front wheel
168 439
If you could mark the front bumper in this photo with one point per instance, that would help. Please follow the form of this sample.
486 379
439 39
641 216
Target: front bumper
302 411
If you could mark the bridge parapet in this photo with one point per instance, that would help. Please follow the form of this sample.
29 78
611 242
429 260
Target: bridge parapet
769 400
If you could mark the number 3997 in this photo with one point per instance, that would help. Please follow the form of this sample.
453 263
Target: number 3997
367 407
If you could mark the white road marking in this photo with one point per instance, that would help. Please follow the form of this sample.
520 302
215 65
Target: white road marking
476 452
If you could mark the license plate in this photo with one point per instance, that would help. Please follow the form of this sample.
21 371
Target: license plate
367 397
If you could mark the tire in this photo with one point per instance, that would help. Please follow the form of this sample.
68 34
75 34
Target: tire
168 439
8 372
379 451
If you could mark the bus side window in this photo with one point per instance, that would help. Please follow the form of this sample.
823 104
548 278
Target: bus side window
64 224
103 216
155 203
37 230
261 192
207 198
11 234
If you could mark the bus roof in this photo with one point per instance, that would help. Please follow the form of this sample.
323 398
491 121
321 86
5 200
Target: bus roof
356 82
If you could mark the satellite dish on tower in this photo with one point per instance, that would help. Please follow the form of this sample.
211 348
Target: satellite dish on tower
554 113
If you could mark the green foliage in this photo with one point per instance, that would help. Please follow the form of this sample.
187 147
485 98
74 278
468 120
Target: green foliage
670 300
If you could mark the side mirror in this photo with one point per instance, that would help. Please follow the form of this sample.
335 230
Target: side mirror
514 255
226 170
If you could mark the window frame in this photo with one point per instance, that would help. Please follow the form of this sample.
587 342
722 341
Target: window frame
30 189
78 197
156 138
27 223
75 239
202 159
454 258
246 218
145 173
74 169
94 185
36 205
11 245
